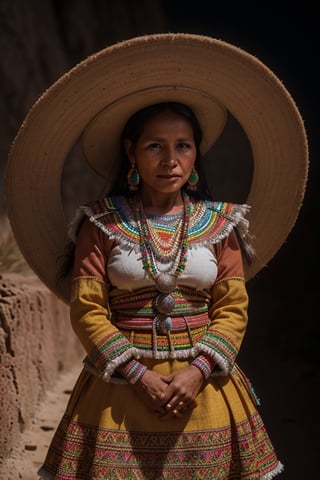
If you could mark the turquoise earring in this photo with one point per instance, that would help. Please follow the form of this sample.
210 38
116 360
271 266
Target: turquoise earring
193 180
133 178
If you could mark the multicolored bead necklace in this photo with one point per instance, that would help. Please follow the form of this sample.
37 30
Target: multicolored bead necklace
151 249
165 244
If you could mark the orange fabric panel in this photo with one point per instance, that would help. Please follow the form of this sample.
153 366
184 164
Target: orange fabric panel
229 258
91 252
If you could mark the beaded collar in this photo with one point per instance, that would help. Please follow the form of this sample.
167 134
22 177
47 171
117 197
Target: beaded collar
209 222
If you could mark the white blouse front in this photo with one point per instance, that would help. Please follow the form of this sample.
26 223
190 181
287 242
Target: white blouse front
125 269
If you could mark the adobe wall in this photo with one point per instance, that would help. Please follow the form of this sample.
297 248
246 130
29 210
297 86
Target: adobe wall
36 344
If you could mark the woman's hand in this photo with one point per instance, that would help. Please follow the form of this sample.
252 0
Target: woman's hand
151 388
172 395
183 387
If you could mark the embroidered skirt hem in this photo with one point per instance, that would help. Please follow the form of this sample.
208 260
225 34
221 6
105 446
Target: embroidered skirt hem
108 433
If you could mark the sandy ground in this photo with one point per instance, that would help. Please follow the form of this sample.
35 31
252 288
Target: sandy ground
33 444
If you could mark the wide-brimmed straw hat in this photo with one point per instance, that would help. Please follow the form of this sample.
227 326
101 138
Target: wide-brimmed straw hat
91 103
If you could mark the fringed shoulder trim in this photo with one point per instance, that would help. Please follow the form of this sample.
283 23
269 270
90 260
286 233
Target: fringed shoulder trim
210 222
113 216
216 220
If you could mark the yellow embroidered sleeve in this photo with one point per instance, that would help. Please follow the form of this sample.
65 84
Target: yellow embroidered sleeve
228 310
107 348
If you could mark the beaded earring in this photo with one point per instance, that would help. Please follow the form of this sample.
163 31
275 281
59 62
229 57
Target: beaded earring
193 180
133 178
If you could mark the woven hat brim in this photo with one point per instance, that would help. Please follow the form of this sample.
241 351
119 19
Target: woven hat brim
238 81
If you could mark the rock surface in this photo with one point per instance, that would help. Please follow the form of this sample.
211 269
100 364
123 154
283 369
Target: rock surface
37 344
31 446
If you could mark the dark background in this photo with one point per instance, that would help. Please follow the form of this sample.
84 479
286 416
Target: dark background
41 40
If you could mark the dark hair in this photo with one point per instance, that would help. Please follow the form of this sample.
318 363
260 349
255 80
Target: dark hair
133 130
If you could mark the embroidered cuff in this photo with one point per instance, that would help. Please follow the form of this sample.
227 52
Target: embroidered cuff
132 371
205 365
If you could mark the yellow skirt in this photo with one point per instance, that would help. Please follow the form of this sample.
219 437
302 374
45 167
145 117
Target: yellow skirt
108 433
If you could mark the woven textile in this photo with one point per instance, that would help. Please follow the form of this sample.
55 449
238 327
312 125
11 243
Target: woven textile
117 438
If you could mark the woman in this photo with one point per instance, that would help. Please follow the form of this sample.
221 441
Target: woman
159 303
158 296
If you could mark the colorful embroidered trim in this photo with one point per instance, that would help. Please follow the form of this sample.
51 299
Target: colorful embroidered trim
220 348
132 371
209 221
145 324
205 365
187 302
219 454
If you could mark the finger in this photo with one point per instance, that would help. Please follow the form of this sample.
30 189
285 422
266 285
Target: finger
174 404
177 413
160 396
170 414
179 407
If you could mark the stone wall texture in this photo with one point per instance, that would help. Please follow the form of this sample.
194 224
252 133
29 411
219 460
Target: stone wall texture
37 343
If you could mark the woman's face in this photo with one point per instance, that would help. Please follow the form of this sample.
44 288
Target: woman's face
164 154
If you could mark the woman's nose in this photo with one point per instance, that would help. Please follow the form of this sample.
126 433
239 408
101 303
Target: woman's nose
169 161
169 158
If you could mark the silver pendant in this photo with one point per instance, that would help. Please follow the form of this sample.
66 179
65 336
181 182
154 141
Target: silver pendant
164 303
163 324
166 282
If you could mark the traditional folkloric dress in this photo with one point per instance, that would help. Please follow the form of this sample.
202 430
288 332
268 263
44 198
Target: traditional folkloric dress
122 320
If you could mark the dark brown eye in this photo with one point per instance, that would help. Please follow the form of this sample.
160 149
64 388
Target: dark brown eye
155 146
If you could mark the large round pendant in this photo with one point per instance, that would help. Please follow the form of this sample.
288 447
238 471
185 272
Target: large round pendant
166 282
164 303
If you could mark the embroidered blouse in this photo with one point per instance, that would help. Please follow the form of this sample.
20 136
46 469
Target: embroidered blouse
108 251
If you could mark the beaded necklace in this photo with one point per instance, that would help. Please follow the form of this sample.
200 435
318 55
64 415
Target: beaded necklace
151 249
165 245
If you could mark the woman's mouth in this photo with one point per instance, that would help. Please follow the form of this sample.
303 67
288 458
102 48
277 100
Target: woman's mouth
168 176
